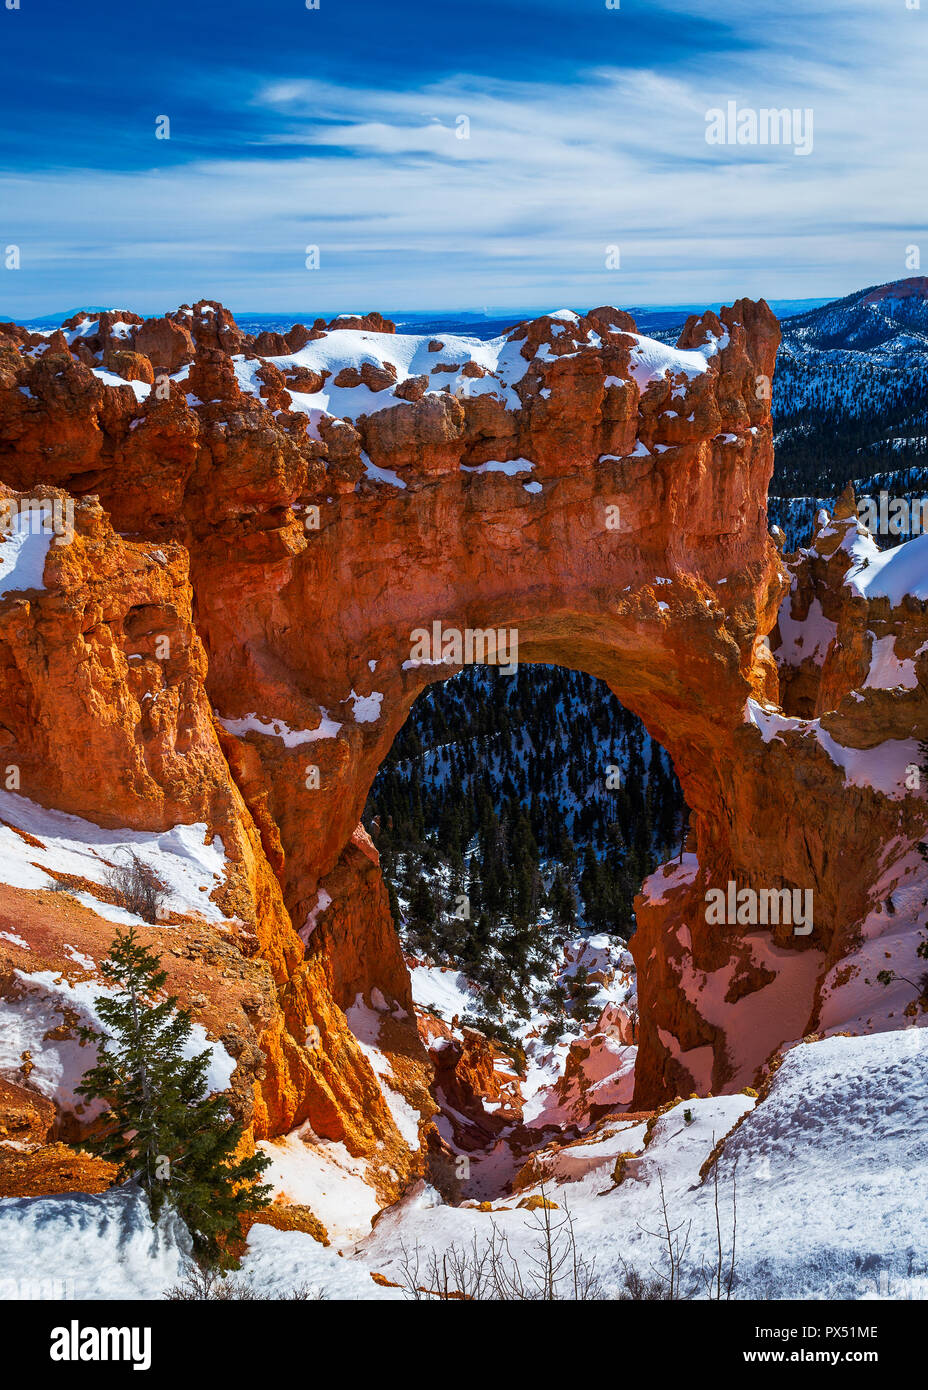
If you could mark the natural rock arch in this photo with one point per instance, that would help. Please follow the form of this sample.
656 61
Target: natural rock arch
667 607
289 568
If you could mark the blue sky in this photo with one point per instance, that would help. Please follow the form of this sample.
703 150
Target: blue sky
338 128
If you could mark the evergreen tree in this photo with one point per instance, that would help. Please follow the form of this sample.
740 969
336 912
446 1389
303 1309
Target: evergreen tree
563 900
581 993
160 1126
422 916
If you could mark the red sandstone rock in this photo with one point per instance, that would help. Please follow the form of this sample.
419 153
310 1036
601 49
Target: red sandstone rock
271 345
369 323
298 337
213 328
166 343
412 389
131 366
378 378
470 1070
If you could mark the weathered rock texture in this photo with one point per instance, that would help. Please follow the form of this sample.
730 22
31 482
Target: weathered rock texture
288 522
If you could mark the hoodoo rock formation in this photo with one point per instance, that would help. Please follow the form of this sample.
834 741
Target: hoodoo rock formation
231 634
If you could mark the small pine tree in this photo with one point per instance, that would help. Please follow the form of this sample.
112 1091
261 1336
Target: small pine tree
160 1126
582 992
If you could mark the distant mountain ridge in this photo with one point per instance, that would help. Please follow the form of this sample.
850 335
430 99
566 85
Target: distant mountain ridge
652 319
883 319
850 397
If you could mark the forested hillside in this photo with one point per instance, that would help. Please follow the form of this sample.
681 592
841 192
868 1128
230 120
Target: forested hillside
514 810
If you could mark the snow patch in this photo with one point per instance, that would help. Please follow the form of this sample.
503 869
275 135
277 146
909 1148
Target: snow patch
188 867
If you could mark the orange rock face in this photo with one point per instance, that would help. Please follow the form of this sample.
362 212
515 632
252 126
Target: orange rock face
469 1071
271 560
104 714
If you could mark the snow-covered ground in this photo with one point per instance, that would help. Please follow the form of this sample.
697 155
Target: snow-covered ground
39 1018
24 544
85 1246
442 990
888 942
322 1175
188 866
442 361
826 1176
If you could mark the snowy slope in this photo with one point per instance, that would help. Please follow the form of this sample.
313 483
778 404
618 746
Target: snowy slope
409 355
85 1246
830 1171
830 1175
189 867
24 544
39 1017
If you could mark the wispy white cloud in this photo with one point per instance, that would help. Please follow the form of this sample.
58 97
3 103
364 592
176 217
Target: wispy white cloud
408 214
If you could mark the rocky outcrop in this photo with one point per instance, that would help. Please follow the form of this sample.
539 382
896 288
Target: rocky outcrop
318 534
476 1085
104 715
829 799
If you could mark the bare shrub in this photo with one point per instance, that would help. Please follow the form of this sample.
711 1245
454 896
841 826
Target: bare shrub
207 1285
638 1288
716 1288
674 1244
673 1277
552 1269
136 887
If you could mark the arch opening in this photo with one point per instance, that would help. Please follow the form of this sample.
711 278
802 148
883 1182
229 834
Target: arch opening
516 817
